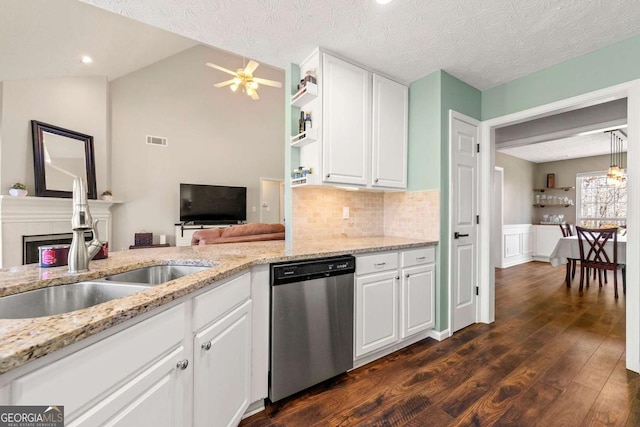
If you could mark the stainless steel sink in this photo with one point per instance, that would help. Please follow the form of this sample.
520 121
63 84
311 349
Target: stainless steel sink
63 299
155 275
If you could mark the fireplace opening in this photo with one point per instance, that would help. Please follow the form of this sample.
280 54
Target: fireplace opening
30 244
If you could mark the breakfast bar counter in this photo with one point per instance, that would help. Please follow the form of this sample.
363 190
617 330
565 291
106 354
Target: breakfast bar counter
25 340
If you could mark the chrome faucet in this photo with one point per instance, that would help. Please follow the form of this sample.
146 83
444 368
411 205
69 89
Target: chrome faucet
80 253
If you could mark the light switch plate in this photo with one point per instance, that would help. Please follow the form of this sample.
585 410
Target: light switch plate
345 212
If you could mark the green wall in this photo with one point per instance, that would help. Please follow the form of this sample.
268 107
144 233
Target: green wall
430 100
603 68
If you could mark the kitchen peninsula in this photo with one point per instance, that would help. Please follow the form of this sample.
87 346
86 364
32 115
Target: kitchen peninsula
238 271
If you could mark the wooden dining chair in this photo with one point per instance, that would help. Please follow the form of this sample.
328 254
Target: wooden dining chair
593 255
571 262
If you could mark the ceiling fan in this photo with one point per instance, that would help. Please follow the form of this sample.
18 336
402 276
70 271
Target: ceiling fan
243 79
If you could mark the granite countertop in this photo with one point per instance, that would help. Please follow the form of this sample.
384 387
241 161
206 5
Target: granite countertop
24 340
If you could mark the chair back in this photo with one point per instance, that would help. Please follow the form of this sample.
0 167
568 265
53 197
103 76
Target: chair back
566 230
592 247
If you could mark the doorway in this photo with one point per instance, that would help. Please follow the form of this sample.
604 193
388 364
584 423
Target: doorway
631 91
271 201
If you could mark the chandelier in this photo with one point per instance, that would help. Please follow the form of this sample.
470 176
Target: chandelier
616 174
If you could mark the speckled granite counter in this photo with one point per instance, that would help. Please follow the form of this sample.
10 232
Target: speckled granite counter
24 340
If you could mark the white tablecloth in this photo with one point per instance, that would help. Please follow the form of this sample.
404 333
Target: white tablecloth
568 247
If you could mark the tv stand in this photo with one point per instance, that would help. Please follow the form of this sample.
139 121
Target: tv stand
184 232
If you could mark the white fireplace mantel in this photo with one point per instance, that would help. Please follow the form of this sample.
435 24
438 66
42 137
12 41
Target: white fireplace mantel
28 216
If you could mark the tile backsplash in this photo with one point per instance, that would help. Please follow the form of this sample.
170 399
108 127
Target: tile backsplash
317 212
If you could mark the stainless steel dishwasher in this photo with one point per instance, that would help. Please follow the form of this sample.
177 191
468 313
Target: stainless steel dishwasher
311 323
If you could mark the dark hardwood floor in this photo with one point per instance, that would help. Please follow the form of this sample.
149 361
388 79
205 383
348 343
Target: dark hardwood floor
554 357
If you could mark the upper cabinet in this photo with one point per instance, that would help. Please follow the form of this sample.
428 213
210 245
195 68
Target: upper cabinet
359 127
389 136
346 116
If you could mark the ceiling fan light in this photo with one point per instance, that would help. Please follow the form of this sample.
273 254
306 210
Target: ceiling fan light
254 85
249 91
234 87
237 80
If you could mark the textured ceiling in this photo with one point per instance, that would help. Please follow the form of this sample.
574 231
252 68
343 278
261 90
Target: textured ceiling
596 144
45 38
485 43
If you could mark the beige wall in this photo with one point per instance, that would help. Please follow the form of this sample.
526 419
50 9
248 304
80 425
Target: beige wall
79 104
317 212
519 178
215 137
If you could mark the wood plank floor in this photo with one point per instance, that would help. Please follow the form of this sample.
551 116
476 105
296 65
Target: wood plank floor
554 357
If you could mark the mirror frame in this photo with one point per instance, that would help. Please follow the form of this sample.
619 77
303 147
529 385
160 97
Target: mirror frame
37 129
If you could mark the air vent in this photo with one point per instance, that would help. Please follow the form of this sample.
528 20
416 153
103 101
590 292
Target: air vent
157 140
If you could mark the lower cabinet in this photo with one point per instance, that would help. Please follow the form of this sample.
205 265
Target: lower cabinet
187 365
222 369
376 311
395 298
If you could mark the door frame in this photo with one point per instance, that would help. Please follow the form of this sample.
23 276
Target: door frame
629 90
454 114
498 215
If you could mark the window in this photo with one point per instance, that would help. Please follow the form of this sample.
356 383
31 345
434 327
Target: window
600 205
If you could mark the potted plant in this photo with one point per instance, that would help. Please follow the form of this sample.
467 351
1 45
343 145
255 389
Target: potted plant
18 189
107 195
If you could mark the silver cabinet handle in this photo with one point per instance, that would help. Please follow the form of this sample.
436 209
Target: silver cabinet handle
397 277
380 264
407 275
206 346
376 180
328 175
420 258
182 364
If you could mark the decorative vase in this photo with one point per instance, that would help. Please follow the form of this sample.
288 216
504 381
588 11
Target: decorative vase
16 192
107 197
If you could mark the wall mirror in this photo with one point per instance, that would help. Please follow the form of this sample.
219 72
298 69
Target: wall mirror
59 155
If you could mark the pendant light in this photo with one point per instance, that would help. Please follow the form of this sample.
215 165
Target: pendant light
616 174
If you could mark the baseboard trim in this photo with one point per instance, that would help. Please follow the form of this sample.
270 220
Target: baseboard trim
254 408
440 335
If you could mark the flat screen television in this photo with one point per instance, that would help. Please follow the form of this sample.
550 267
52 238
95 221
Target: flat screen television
212 204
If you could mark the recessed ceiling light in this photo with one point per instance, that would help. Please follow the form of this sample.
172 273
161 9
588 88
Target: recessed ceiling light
87 59
383 1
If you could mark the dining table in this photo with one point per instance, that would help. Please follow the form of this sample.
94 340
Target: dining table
569 248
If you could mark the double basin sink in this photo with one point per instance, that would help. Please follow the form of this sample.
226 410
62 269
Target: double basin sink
66 298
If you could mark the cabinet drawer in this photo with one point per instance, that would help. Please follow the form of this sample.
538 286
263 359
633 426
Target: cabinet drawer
83 377
377 262
418 256
211 305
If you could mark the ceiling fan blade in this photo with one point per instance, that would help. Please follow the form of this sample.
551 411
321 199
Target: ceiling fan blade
223 84
251 67
255 96
217 67
266 82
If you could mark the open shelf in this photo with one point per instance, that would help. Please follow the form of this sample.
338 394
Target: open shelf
552 205
304 138
542 190
311 179
306 94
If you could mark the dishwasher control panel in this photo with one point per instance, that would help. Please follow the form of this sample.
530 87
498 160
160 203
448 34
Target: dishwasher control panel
304 270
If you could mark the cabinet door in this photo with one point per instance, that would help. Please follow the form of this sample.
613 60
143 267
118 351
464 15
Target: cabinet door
154 398
346 122
389 136
418 299
376 311
222 370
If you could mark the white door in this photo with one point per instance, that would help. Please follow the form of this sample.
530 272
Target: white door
346 121
389 136
376 311
464 138
270 201
418 299
222 370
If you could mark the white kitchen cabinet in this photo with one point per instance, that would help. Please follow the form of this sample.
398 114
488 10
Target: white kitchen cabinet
395 300
346 121
546 239
389 135
418 299
222 369
376 311
115 379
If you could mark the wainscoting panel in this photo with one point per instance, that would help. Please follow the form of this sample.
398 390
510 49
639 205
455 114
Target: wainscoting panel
517 244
